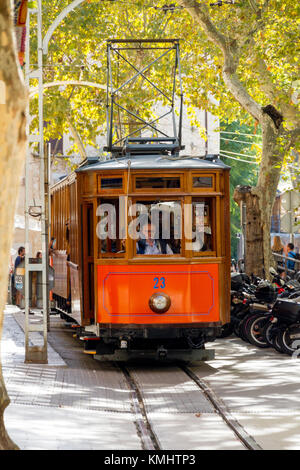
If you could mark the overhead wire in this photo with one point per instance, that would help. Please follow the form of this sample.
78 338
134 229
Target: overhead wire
240 141
240 154
241 133
238 159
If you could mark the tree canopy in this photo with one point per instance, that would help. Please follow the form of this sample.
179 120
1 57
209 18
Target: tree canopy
239 143
239 61
248 42
260 35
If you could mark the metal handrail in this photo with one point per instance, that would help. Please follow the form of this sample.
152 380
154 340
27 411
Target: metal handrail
286 258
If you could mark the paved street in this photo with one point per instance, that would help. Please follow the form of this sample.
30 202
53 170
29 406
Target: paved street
75 402
261 388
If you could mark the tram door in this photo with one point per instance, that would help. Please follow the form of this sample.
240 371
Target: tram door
88 261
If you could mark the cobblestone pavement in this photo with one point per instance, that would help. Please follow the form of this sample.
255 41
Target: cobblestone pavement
75 402
261 387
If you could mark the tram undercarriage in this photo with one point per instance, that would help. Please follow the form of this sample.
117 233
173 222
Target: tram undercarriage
122 344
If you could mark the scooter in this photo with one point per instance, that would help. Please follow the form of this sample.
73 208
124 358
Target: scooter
283 330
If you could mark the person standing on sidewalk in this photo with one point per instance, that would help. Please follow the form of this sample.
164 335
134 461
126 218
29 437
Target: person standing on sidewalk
18 261
291 254
278 249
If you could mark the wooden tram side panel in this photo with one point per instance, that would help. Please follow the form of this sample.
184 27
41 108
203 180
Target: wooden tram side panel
58 215
225 268
74 263
87 211
65 226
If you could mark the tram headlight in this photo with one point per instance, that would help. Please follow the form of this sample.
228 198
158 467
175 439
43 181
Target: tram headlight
159 302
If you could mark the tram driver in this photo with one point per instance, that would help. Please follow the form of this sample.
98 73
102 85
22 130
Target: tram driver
147 245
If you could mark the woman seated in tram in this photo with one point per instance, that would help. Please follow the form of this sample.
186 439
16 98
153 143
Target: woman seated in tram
202 241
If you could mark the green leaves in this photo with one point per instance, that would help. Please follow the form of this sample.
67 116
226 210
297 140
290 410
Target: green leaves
77 51
233 140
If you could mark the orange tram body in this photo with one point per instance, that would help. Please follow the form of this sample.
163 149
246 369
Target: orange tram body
133 292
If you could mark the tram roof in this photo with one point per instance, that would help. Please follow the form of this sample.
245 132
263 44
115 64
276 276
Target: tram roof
146 162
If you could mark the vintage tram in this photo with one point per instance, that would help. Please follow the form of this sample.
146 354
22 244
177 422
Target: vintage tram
142 259
134 292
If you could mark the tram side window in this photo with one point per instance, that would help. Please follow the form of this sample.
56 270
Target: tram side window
202 182
156 227
110 228
157 182
203 225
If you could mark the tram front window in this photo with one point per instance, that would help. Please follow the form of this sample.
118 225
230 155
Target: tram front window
203 237
156 227
111 228
149 245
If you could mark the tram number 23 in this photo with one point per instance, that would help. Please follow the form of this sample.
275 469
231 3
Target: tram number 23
159 282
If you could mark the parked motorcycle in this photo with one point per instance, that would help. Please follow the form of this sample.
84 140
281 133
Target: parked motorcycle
253 325
253 317
283 331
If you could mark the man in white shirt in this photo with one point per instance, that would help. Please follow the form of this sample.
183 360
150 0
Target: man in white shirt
150 246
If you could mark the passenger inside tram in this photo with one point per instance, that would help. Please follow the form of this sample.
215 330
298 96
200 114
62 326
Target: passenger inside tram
149 245
164 216
202 227
202 241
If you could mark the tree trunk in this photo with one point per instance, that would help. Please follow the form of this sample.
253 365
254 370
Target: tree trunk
253 230
260 208
268 181
259 202
12 154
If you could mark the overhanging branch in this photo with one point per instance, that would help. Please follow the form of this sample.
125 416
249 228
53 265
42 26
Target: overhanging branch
230 51
34 90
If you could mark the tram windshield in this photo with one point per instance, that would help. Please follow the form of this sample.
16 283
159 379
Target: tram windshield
156 227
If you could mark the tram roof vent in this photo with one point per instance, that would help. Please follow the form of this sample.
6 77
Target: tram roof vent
212 157
93 159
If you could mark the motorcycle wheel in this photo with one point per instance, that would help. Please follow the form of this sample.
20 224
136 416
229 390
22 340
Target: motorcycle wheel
289 345
254 330
268 333
242 329
276 344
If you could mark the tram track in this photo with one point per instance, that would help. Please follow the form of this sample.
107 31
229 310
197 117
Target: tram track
223 411
141 382
144 428
145 432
